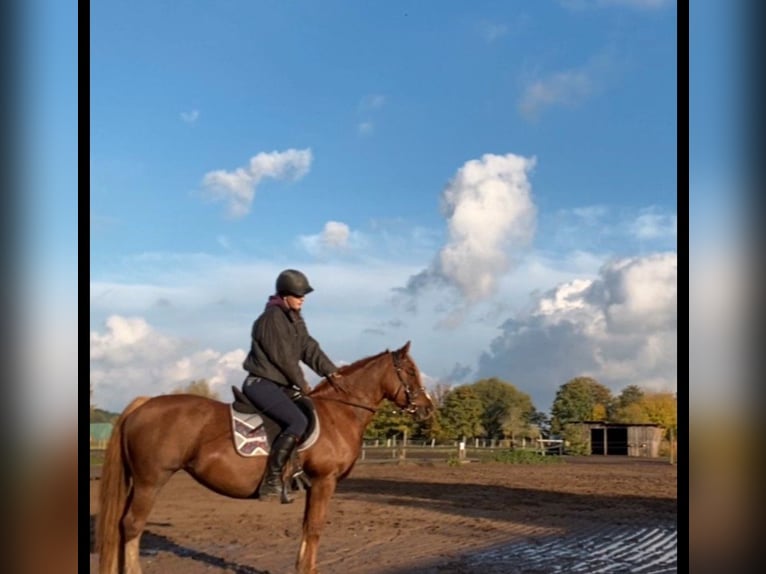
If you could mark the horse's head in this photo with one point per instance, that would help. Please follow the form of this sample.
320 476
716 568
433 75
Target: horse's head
408 392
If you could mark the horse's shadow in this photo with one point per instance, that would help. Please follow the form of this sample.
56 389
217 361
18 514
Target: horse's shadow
152 543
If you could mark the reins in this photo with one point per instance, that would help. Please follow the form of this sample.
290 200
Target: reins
340 388
349 403
403 386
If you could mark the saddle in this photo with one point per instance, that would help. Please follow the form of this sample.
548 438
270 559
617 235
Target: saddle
254 431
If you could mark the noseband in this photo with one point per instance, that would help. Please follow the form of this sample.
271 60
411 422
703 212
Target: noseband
408 392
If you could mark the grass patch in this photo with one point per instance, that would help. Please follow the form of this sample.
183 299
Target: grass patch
524 457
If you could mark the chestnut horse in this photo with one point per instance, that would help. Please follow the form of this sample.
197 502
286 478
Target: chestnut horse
155 437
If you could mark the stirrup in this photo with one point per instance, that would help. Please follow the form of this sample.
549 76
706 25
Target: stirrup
299 480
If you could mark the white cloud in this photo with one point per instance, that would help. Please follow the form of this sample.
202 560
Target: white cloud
125 337
372 102
369 105
619 328
335 234
652 224
210 303
365 128
568 88
625 230
237 187
130 358
490 216
190 117
591 214
334 237
493 31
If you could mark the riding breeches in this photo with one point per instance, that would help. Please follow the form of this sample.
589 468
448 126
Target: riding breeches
272 399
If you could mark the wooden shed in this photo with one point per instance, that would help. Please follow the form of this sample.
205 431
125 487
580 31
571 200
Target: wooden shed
626 439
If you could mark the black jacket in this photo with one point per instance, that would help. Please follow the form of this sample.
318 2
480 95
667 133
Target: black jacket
280 340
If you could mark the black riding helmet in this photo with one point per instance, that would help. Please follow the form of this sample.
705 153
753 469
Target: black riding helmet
293 282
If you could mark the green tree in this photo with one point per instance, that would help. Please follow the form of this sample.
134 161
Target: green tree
661 409
632 413
98 415
389 421
199 387
431 428
438 392
630 395
579 399
627 406
656 408
539 423
460 414
506 410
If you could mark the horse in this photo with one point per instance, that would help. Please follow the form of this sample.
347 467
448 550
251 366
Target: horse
154 437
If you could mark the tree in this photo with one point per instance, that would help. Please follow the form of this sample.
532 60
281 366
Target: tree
661 409
540 422
632 413
199 387
389 421
506 410
431 428
579 399
98 415
460 414
656 408
630 395
438 392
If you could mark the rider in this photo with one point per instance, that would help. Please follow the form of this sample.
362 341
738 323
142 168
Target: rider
280 340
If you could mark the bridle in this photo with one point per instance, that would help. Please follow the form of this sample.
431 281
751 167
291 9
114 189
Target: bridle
408 392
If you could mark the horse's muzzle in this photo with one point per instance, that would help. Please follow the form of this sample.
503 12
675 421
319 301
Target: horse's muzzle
424 412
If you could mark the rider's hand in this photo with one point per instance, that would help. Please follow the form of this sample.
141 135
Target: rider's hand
336 376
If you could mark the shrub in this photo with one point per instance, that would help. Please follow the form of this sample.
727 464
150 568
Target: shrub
576 439
525 457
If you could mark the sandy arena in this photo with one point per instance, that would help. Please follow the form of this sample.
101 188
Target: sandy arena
605 514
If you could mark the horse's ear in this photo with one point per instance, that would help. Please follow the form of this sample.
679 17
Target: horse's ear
404 350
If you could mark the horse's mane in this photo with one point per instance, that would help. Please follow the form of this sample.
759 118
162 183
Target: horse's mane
347 370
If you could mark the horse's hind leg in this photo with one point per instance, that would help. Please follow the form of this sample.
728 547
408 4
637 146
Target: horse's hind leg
134 521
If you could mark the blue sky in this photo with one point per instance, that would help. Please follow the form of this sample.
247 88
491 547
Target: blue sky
494 181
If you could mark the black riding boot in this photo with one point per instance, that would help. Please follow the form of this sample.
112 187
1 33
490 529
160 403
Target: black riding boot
272 484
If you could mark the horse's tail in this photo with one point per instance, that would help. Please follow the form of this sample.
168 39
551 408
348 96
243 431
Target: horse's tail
113 495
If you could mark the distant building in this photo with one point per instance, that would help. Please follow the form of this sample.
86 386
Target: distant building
99 434
626 439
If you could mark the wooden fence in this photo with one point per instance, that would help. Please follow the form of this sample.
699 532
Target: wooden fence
399 448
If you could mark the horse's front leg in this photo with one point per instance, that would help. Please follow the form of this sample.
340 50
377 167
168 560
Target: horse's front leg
315 513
